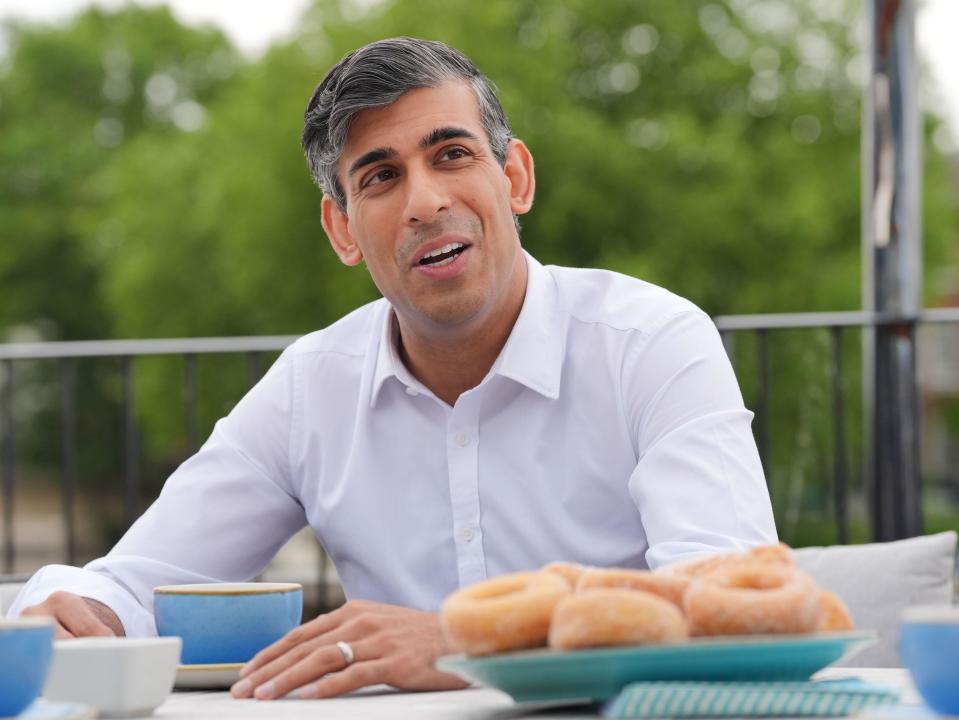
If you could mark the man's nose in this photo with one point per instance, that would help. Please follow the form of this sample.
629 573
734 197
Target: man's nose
427 196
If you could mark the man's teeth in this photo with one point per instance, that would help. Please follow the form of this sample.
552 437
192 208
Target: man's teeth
441 263
443 250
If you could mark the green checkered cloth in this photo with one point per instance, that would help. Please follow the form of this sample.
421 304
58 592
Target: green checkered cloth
824 698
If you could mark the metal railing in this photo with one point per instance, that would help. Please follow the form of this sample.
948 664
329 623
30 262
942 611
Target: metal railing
836 323
126 353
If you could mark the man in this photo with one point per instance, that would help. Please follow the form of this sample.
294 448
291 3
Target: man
488 415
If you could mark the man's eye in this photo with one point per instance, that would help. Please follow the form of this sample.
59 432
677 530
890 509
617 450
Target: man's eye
454 153
380 176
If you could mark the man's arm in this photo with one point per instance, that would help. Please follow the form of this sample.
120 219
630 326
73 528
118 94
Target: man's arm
699 483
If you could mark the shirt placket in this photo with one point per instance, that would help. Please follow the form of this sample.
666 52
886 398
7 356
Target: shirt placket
462 451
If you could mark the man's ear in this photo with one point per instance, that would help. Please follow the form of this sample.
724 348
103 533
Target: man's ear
337 226
521 177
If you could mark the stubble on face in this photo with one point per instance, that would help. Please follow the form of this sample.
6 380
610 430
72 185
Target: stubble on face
454 301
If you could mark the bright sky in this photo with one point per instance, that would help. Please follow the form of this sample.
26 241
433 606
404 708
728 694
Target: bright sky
254 24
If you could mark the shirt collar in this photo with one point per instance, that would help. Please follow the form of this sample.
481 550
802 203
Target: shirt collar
533 354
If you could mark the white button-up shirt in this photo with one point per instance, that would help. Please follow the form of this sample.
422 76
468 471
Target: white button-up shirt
609 431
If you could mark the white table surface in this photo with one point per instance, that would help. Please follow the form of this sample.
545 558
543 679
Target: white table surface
474 703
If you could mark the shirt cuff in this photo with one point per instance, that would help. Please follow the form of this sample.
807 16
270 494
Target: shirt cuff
136 620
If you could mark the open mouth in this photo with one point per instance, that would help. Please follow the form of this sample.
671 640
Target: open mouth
443 255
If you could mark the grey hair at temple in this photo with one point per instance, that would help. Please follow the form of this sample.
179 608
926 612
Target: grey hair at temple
375 76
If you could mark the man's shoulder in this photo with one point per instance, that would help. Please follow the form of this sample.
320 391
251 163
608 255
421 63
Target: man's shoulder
348 336
618 301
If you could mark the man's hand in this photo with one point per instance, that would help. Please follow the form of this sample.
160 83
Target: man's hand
391 645
78 616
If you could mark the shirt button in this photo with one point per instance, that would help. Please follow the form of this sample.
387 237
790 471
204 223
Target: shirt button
462 439
468 534
412 391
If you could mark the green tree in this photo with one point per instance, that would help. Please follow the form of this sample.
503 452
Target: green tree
711 146
71 97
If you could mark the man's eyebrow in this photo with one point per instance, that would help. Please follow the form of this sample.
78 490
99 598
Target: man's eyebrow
446 133
371 157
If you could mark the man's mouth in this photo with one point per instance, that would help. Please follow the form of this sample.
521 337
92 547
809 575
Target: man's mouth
443 255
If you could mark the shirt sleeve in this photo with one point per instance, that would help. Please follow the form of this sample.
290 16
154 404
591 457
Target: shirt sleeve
698 484
220 517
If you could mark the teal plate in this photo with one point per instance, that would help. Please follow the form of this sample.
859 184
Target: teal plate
598 674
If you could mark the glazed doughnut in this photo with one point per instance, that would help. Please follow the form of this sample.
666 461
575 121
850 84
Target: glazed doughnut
611 616
751 597
669 587
504 613
835 614
571 572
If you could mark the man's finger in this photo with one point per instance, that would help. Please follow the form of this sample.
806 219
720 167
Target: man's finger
77 618
351 630
323 660
59 632
356 676
247 684
319 625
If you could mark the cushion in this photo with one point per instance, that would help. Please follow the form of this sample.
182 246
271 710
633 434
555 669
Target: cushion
878 580
8 592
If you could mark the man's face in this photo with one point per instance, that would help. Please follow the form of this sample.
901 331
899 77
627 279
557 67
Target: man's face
430 209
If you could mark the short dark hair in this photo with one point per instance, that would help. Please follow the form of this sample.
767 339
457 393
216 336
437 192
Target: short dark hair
375 76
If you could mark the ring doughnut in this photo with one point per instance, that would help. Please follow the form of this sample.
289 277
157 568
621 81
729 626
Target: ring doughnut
612 616
503 613
835 614
776 554
571 572
669 587
750 598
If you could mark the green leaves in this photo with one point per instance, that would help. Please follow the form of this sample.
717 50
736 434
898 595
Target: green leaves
152 183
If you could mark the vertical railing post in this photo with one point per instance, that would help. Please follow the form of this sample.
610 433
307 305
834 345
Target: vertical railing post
839 466
8 464
762 347
131 495
728 338
892 267
68 453
253 368
192 412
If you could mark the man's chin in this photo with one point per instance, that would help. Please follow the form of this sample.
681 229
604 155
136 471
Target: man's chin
452 313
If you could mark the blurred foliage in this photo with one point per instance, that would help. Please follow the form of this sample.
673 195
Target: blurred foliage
152 184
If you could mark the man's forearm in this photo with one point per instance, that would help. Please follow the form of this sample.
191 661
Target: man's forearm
106 616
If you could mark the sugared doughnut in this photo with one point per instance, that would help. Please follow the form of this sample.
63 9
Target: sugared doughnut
568 570
504 613
835 614
749 597
699 566
776 554
611 616
669 587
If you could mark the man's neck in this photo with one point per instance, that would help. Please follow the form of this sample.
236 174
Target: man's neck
451 364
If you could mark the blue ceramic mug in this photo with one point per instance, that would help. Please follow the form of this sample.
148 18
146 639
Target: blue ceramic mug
226 622
26 646
929 647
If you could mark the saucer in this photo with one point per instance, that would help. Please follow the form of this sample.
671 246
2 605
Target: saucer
219 676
